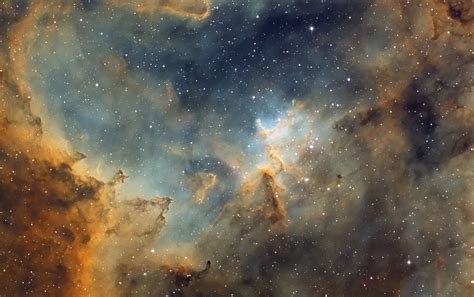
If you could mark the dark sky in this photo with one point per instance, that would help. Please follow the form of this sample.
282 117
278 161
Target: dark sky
308 148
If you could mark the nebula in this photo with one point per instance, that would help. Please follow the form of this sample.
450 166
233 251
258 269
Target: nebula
237 148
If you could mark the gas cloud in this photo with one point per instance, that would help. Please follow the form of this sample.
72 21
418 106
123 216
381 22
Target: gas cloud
236 148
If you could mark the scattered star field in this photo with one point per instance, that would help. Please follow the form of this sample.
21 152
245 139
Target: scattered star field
237 148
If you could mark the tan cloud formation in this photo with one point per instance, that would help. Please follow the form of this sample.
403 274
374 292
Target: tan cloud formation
194 9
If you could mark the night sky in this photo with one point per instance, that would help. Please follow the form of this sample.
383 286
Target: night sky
237 148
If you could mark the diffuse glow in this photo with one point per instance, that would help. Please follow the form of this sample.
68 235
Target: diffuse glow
308 149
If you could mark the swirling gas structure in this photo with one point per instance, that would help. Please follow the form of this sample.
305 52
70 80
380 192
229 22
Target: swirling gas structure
309 148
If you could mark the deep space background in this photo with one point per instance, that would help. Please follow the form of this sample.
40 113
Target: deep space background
236 148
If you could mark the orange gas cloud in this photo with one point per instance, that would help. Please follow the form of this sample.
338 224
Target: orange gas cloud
51 216
194 9
202 183
276 210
